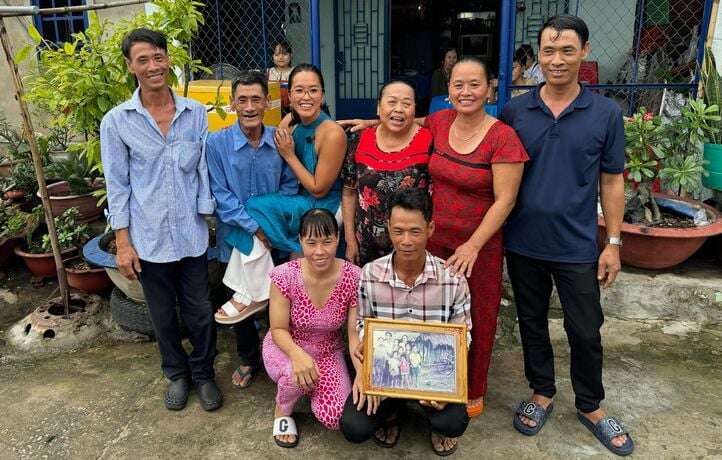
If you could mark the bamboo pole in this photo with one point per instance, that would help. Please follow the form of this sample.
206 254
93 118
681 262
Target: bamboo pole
14 11
38 164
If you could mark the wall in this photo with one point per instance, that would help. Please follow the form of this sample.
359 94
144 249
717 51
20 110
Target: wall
328 52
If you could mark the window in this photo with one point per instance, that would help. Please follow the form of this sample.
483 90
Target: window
58 28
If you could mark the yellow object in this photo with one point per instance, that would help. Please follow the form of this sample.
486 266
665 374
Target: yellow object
204 91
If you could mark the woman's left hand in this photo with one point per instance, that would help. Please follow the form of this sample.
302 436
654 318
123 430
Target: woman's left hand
284 143
462 261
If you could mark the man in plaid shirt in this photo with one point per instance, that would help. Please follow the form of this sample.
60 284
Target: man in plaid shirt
409 284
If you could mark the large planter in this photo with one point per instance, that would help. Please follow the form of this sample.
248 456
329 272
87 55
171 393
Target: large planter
42 265
61 200
93 280
657 248
713 156
7 248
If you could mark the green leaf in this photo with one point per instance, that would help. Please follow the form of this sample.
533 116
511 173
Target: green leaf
23 54
69 49
34 34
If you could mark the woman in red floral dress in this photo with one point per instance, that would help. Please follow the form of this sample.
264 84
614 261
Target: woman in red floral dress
476 168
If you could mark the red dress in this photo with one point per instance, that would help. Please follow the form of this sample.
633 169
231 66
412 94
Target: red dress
462 194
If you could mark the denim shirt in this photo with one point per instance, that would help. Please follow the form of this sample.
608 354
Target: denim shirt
158 185
238 171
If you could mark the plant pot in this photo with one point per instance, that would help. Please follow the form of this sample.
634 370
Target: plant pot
7 248
14 195
42 265
658 248
61 200
92 281
6 167
713 155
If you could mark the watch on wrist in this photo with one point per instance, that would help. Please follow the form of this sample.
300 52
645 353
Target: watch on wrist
614 240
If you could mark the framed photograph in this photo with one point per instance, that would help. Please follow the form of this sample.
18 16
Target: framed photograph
415 360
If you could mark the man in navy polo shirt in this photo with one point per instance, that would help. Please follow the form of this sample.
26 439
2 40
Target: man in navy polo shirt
575 139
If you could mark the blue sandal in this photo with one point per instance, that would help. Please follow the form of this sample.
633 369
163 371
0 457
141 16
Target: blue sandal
532 411
605 430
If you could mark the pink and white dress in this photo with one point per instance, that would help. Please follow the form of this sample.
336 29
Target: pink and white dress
318 332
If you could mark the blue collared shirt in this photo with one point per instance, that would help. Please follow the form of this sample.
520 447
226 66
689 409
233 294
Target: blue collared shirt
158 185
239 171
555 217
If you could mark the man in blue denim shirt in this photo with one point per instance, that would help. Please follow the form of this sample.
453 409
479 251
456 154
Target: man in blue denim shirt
243 162
157 180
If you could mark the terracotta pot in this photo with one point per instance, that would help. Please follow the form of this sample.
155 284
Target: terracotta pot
86 203
42 265
657 248
7 246
14 195
92 281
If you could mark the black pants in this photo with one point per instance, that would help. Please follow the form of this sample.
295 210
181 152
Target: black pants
578 289
184 282
356 426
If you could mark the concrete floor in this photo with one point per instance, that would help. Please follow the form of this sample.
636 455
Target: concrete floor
104 400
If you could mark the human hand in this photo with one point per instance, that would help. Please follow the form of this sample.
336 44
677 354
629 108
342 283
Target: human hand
264 239
355 124
433 404
359 397
609 265
305 370
462 261
127 261
284 143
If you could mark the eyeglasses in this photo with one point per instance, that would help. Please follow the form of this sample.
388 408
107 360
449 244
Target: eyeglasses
312 92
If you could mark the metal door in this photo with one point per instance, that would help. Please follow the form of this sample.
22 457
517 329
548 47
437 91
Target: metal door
361 28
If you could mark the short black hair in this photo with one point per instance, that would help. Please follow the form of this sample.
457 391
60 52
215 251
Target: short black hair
474 60
566 22
285 46
523 54
144 35
413 199
393 82
250 77
318 223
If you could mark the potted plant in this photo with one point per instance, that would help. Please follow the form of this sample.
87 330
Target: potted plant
76 186
663 230
13 226
712 85
38 254
85 277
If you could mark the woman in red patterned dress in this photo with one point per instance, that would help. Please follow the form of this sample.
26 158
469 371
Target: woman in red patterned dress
476 168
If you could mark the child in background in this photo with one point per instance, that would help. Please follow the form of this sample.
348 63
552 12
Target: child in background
282 56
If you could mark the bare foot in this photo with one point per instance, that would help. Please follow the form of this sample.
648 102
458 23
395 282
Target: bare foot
442 443
595 417
543 401
391 434
286 438
242 376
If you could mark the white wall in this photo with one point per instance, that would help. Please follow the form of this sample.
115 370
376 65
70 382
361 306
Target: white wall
328 52
717 41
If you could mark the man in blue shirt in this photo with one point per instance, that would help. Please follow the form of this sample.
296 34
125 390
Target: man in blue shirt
243 162
575 139
158 191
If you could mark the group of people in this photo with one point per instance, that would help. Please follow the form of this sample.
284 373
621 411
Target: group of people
411 220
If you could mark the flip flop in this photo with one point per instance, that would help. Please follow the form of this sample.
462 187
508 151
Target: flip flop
285 426
532 411
388 424
233 316
605 430
475 410
443 453
243 374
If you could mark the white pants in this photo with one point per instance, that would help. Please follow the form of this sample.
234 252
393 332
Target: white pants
248 275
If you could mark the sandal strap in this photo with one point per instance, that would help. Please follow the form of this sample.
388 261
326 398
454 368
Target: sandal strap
532 411
610 427
230 310
284 426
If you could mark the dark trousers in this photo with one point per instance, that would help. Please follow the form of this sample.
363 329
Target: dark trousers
578 289
184 282
356 426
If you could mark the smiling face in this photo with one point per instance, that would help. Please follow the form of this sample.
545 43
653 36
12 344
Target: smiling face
409 232
319 250
281 57
397 107
250 105
306 94
149 64
560 56
468 87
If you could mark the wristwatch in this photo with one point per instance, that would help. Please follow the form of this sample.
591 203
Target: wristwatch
614 240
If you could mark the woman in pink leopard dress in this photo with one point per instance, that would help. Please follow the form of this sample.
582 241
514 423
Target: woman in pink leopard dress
303 352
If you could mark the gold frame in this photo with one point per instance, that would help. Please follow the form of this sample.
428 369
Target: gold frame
459 333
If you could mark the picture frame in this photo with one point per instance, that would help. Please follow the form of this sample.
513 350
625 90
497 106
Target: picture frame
434 367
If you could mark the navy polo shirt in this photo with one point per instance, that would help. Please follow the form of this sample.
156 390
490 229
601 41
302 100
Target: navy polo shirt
555 218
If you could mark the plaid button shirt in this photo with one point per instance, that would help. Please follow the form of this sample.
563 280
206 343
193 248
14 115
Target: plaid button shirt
435 296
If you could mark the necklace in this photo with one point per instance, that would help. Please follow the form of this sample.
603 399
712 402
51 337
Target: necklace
474 134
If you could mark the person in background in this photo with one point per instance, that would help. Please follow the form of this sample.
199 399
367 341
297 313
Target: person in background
303 352
153 154
440 76
282 58
517 79
531 70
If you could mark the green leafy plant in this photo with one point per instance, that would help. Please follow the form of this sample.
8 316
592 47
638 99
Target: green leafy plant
712 87
75 171
70 233
13 222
